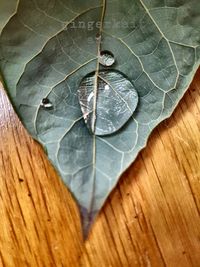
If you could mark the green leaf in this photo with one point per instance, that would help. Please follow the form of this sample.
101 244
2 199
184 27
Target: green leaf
7 9
48 47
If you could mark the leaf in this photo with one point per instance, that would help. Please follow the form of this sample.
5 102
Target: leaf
48 47
7 9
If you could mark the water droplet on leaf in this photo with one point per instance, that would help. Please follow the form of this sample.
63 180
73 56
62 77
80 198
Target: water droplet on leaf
108 100
98 36
106 58
46 103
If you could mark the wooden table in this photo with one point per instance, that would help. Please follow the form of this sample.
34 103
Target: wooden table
151 219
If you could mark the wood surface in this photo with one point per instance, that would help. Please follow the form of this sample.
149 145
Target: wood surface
151 219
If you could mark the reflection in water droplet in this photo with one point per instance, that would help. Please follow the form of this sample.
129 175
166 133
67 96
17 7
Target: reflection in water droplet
90 96
106 58
116 101
46 103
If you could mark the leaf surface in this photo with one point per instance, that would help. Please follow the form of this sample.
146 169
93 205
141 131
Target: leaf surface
7 10
48 47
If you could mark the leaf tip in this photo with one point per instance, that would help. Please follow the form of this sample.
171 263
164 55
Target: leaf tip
87 219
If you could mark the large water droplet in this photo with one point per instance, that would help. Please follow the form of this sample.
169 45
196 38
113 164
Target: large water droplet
116 101
106 58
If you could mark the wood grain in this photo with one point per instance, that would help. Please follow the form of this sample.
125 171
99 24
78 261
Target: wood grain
151 219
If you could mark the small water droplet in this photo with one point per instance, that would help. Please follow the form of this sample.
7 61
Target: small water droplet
46 103
107 87
98 36
106 58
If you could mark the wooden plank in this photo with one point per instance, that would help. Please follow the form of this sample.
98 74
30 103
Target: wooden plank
150 219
